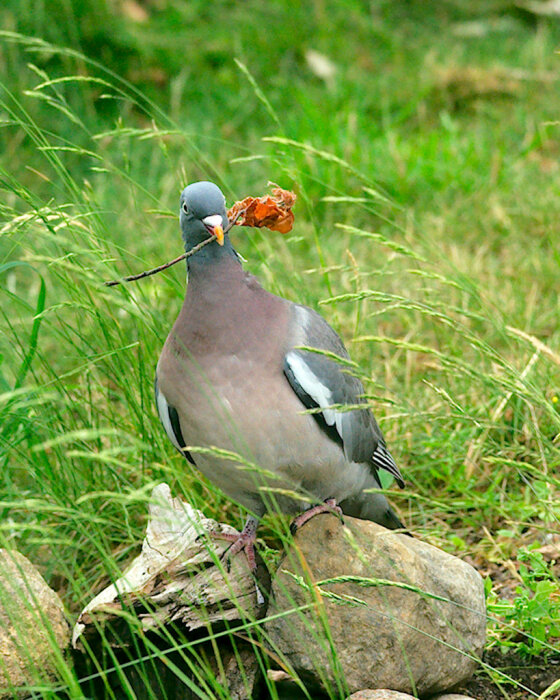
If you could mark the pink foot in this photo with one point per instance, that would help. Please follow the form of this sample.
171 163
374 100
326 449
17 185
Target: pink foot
244 540
328 506
239 541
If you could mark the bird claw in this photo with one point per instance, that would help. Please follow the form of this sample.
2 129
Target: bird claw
245 542
240 541
328 506
226 559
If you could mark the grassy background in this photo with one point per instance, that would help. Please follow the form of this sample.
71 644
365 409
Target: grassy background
427 171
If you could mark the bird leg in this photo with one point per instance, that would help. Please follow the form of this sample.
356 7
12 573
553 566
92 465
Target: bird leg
328 506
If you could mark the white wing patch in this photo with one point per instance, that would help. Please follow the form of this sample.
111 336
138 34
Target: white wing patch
313 386
163 410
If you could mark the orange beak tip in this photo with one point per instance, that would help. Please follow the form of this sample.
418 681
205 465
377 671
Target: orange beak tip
219 233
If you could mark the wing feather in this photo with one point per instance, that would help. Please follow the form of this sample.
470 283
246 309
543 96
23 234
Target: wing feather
322 382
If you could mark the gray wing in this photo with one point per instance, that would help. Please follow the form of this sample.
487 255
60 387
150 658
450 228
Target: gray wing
322 382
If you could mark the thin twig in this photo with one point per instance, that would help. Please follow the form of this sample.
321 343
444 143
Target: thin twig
153 271
192 251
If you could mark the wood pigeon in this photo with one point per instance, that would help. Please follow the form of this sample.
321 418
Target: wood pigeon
234 377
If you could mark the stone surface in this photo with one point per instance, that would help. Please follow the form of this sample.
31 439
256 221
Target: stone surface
241 673
397 695
32 626
380 695
398 636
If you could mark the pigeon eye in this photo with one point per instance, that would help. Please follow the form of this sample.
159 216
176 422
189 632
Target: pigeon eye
185 209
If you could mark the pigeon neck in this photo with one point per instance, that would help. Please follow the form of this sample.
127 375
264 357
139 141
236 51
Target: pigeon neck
211 254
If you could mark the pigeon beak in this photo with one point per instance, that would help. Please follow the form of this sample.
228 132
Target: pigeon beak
214 225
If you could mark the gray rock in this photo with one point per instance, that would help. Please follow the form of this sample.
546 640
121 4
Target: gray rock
396 695
416 636
380 695
33 629
241 672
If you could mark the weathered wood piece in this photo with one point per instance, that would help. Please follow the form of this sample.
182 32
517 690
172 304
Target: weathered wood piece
179 575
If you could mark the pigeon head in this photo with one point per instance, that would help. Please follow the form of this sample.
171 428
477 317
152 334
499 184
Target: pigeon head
203 212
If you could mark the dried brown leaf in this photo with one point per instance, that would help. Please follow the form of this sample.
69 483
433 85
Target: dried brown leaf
271 211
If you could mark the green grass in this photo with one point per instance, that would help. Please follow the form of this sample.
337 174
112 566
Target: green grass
426 232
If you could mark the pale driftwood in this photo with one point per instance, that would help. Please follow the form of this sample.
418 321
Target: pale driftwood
178 576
